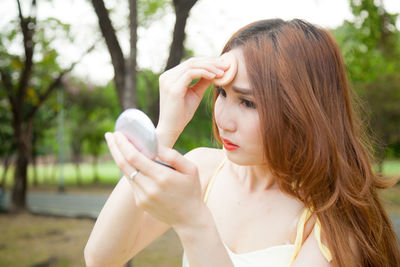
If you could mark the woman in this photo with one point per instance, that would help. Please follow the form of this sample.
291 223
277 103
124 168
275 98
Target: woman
293 185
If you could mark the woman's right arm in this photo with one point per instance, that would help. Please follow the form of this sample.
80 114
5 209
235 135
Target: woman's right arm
122 229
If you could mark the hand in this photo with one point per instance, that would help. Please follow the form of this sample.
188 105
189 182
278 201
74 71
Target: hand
172 196
178 100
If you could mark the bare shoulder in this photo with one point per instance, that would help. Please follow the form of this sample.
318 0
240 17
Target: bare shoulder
315 250
311 253
207 161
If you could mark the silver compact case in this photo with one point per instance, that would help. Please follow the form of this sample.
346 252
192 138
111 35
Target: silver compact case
139 130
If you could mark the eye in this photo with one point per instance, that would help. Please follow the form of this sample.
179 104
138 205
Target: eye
221 91
247 103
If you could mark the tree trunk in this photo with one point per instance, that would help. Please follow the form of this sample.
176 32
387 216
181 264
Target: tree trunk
24 147
130 100
182 9
110 37
23 117
33 160
124 70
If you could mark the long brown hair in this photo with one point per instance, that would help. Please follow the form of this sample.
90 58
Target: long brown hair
314 142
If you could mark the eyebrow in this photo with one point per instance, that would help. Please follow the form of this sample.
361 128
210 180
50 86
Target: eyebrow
242 91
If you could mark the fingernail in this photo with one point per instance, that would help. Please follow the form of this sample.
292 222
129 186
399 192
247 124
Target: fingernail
107 135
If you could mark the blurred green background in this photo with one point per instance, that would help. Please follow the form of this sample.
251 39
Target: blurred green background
52 121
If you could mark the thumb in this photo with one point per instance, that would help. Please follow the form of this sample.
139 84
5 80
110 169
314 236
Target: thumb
176 160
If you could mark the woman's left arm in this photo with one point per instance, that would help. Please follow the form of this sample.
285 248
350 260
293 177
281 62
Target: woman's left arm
174 197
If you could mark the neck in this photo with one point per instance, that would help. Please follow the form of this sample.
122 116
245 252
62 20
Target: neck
254 177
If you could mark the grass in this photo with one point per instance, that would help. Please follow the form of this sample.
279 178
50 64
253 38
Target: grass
49 174
26 240
30 240
109 173
391 199
391 168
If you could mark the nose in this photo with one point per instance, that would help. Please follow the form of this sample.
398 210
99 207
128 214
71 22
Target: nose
224 115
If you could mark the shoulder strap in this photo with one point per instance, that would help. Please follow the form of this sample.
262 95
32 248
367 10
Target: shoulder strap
305 216
325 251
211 181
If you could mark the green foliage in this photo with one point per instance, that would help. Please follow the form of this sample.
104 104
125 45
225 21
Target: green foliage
187 53
46 65
370 46
45 128
383 97
148 10
91 112
375 24
147 93
370 43
198 133
393 150
45 69
6 131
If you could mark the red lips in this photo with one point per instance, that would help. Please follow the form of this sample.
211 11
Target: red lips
228 145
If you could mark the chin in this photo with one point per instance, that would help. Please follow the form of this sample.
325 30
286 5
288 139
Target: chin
242 159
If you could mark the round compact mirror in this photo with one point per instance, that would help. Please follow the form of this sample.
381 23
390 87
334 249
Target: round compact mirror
139 130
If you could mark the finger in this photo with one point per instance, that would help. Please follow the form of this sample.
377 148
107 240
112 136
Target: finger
175 159
134 158
212 65
143 183
119 159
193 74
215 65
200 87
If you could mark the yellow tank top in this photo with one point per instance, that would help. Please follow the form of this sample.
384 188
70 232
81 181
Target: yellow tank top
276 256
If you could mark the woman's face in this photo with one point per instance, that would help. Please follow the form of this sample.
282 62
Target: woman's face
237 119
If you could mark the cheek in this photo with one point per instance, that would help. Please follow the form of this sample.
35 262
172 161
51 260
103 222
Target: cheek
254 129
217 110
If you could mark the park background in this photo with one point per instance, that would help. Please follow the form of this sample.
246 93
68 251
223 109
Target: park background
68 69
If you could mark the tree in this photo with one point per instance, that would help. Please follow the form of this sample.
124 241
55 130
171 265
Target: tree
6 136
28 82
370 42
372 54
125 70
90 113
44 119
182 9
383 97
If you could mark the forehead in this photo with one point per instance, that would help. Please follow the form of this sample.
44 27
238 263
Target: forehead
241 79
